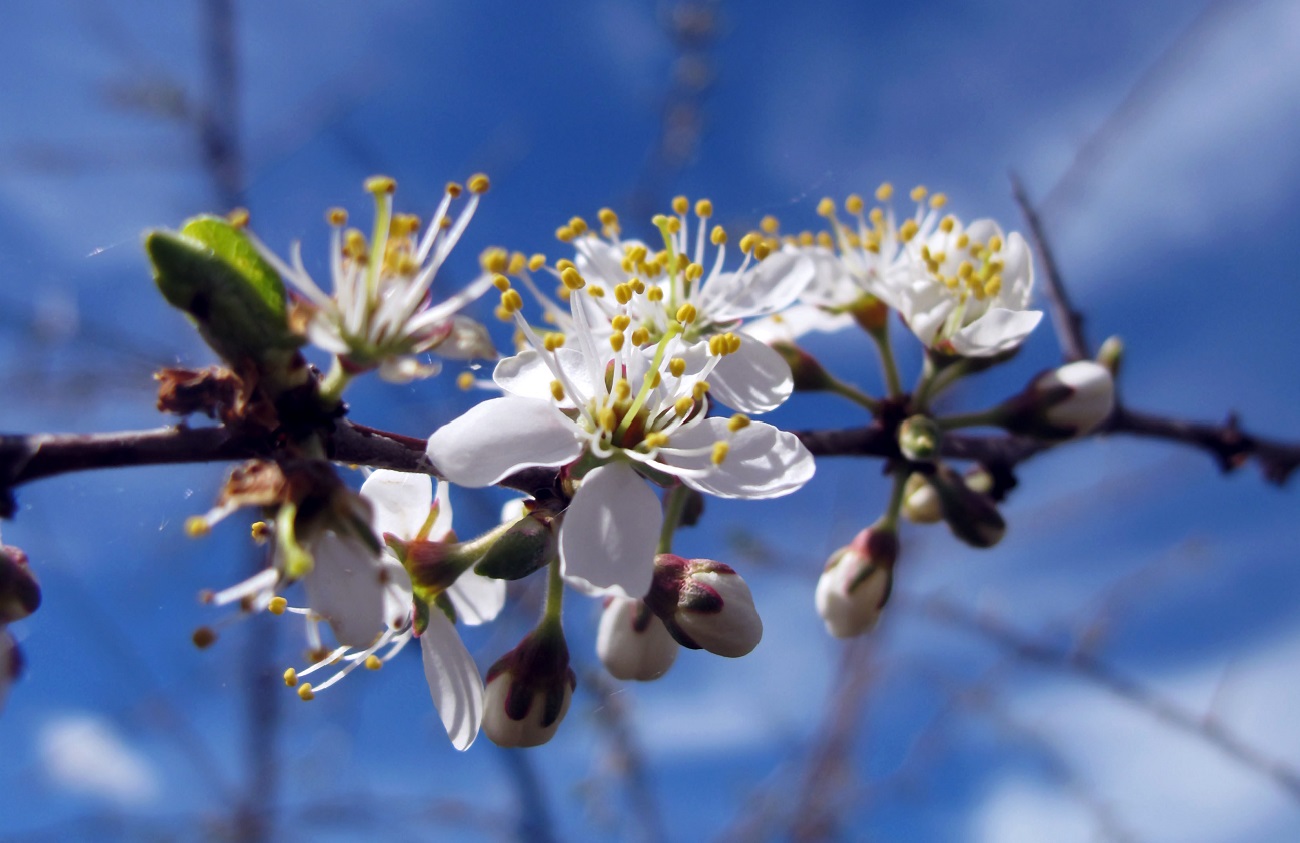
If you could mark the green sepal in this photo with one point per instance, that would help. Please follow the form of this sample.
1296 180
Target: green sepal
211 270
522 549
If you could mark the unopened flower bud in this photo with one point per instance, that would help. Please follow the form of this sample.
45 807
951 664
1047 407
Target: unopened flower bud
856 583
972 516
632 642
525 546
809 375
19 593
919 438
920 501
1111 355
1063 403
705 605
870 313
529 690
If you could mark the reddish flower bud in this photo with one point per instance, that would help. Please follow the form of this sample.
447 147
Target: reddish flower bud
705 605
856 583
529 690
632 642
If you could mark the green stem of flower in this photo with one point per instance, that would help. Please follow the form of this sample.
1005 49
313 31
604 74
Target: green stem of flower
887 362
890 519
938 381
984 418
553 613
852 393
674 508
337 380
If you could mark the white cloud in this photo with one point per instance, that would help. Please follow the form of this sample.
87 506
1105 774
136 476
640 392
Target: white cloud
85 754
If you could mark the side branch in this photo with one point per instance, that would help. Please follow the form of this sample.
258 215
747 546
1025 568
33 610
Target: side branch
1067 321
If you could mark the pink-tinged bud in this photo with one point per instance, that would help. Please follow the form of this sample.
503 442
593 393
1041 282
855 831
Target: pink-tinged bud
19 593
855 586
705 605
1063 403
529 690
632 642
973 517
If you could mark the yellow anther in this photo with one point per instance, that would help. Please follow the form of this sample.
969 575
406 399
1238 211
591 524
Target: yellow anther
885 192
854 204
291 677
995 243
641 336
938 200
260 531
825 240
511 301
655 294
305 692
693 271
770 224
622 320
564 234
918 193
608 419
277 605
536 262
947 224
638 286
681 204
502 314
557 390
578 226
563 264
655 440
518 261
494 259
596 291
380 184
616 341
699 389
196 526
373 662
993 286
655 377
683 405
622 389
965 269
907 231
739 421
747 242
686 313
762 249
636 254
826 207
238 218
337 217
704 209
465 380
673 225
963 240
204 637
623 293
714 345
718 235
553 341
501 282
453 189
572 279
720 450
478 183
733 342
676 366
607 217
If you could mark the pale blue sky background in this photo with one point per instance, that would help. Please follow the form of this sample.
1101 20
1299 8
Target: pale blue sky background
1179 235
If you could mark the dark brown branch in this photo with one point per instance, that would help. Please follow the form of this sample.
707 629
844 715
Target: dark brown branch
1067 321
1081 663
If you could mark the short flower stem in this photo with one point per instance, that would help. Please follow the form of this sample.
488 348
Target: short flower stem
887 361
674 507
331 388
889 521
854 394
552 614
935 381
984 418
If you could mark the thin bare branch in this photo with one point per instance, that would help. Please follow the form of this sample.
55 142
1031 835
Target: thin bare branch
1067 321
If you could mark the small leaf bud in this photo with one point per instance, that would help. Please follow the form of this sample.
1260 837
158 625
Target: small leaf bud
919 438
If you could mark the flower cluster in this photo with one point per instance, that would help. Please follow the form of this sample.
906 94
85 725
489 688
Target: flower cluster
637 370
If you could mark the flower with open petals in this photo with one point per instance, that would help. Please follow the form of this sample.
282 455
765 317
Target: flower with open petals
627 413
380 314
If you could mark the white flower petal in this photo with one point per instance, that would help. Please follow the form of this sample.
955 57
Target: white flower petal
477 599
399 502
754 379
761 462
610 533
454 681
996 331
774 284
501 436
344 587
528 375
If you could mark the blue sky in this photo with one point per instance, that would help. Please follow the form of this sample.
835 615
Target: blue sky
1179 236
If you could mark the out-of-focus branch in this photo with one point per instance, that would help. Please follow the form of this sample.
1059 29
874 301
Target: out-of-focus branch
1081 663
1067 321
